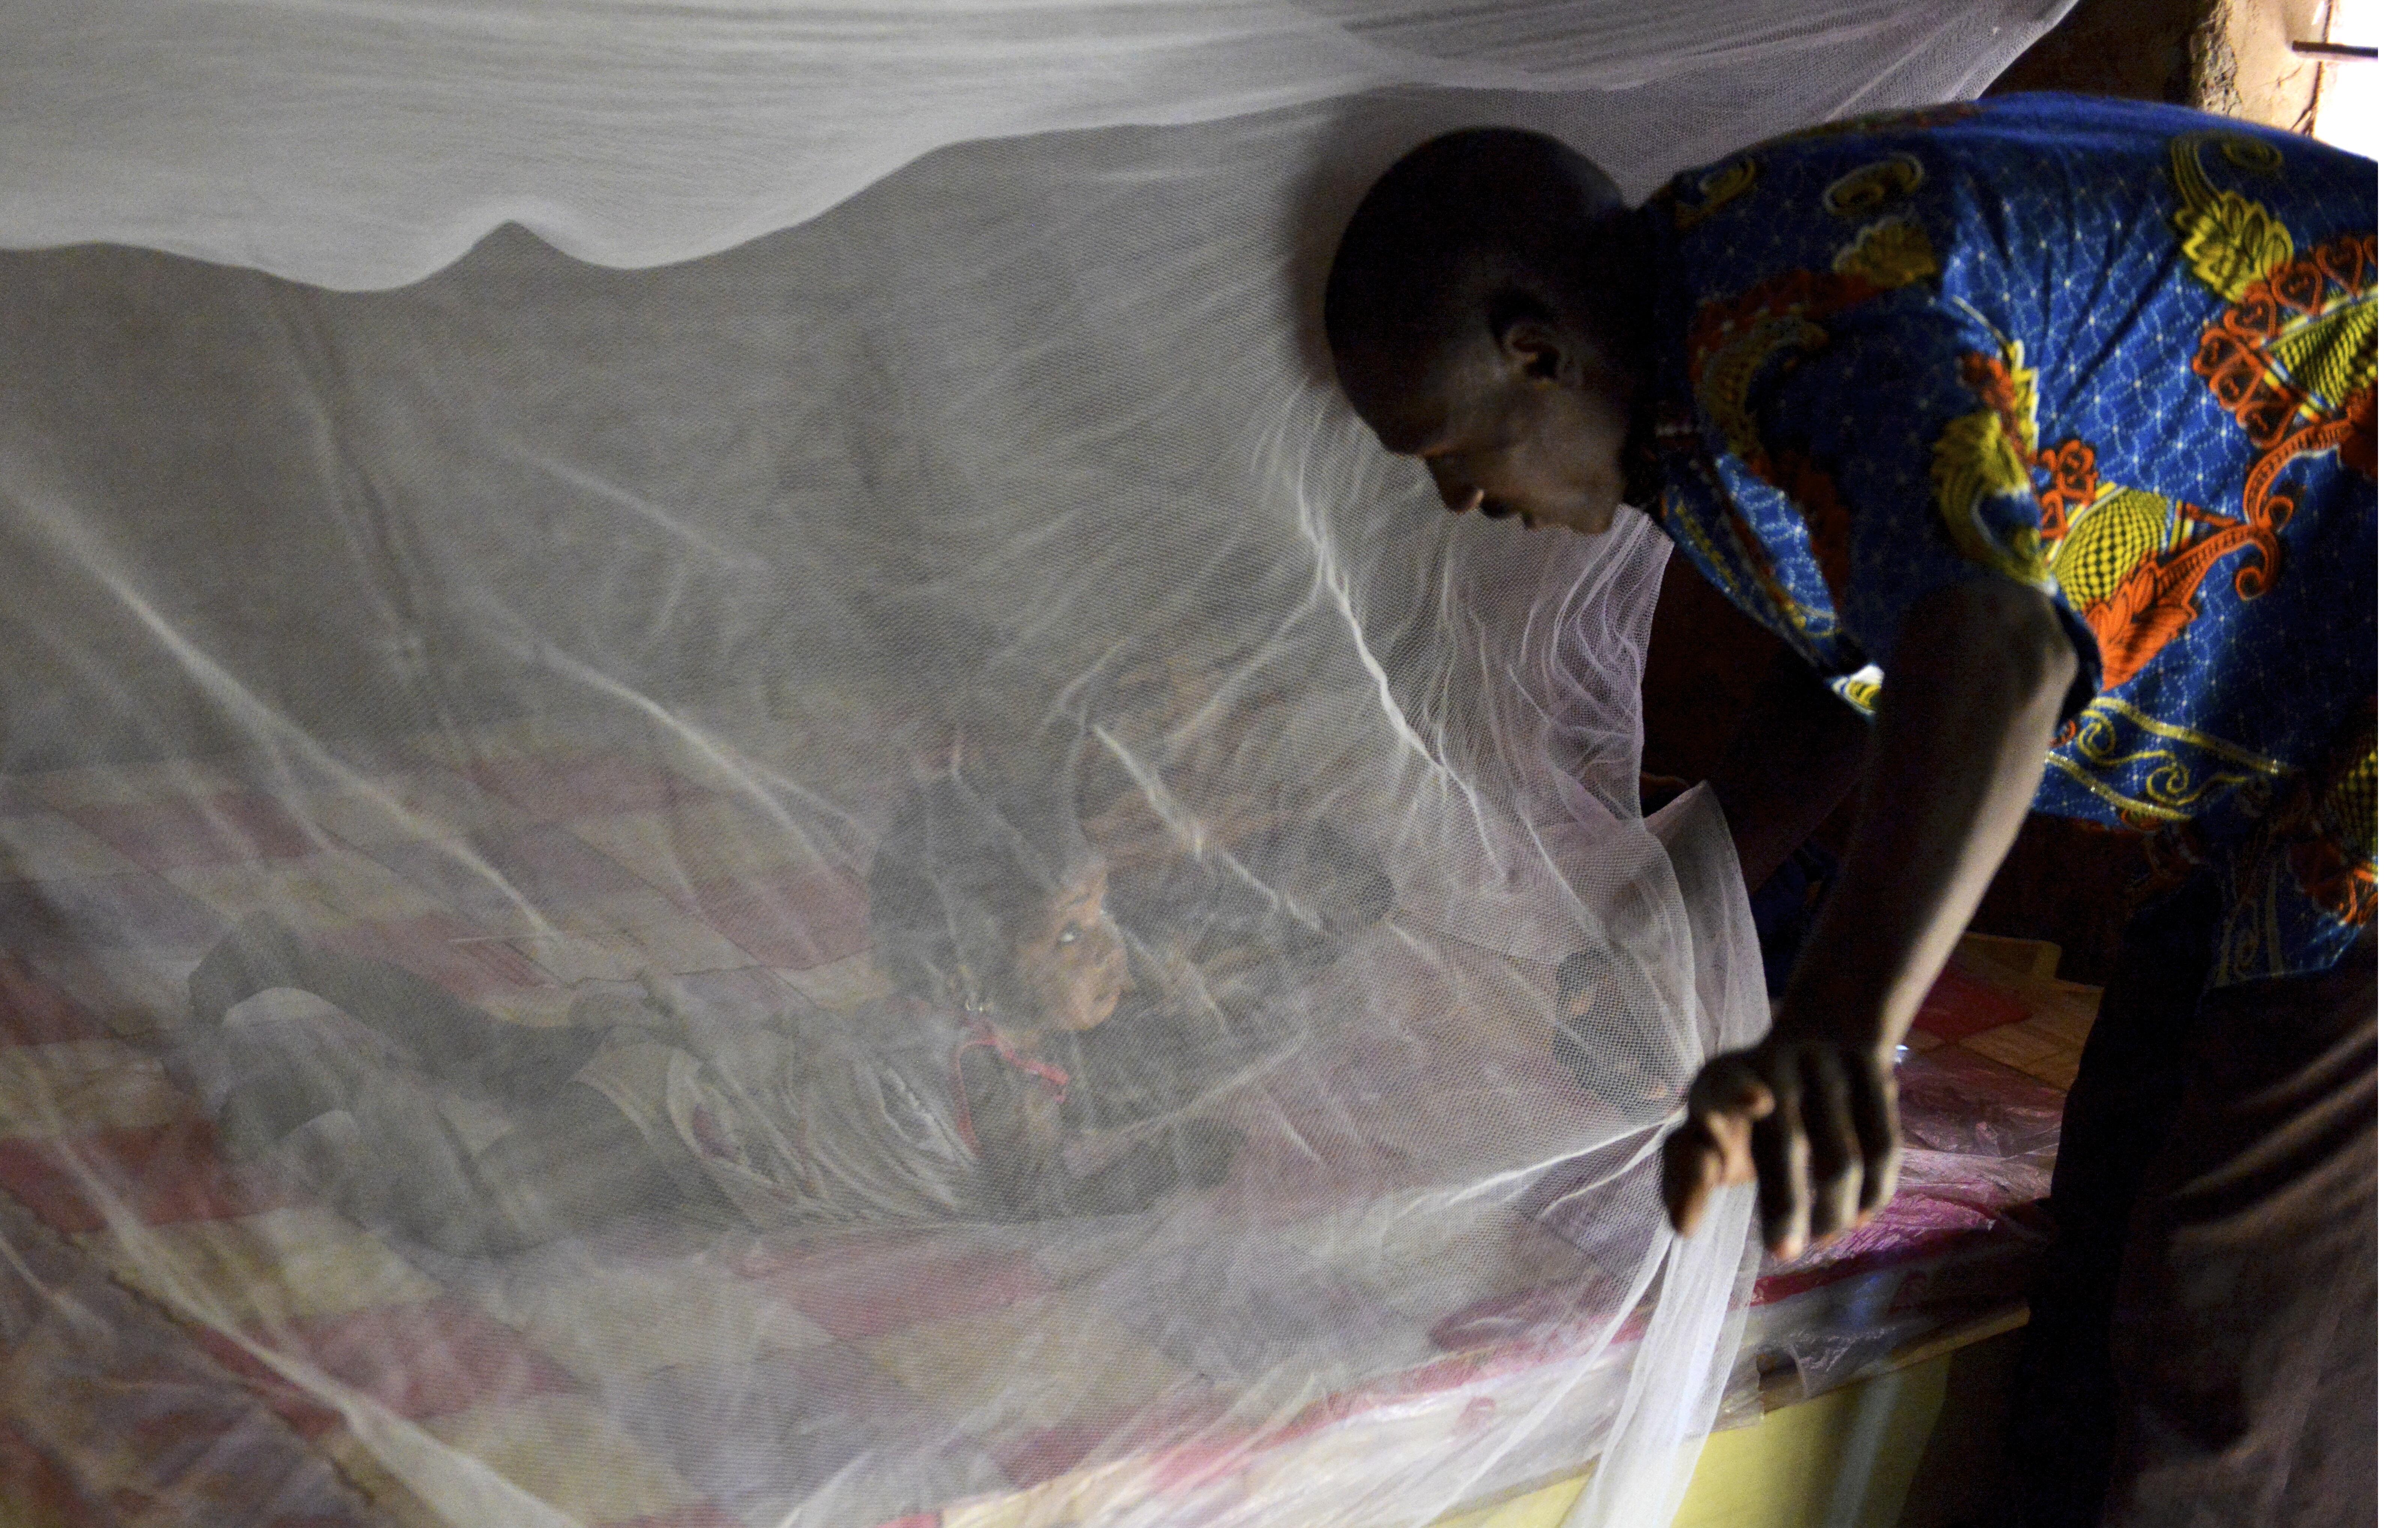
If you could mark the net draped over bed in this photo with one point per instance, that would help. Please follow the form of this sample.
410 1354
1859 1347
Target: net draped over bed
899 403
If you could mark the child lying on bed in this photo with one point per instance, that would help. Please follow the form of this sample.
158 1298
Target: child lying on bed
1231 899
935 1104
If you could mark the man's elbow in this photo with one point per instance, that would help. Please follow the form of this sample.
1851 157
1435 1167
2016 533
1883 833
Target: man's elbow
2009 632
2044 664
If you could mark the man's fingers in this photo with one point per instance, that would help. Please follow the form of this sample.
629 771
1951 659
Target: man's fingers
1701 1156
1730 1085
1710 1150
1815 1125
1781 1160
1730 1133
1724 1103
1875 1097
1691 1174
1830 1108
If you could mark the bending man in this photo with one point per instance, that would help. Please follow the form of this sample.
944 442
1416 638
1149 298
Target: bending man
2041 430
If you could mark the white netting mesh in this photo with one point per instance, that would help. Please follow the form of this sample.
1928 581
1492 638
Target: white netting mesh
572 638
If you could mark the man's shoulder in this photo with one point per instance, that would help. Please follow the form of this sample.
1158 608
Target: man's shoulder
1950 201
2024 144
1967 139
2048 119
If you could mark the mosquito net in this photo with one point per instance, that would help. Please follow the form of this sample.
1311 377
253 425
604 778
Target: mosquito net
823 842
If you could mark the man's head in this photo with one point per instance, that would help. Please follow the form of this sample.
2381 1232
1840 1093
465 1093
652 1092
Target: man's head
1472 312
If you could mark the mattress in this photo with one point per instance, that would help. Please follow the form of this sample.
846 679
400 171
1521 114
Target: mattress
187 1338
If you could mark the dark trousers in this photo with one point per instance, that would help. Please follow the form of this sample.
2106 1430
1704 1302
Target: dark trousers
2202 1347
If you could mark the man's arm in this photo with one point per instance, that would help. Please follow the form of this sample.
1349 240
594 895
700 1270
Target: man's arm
1799 749
1967 710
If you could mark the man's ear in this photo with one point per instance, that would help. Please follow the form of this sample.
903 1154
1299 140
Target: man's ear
1536 352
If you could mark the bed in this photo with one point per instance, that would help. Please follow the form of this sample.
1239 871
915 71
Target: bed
188 1338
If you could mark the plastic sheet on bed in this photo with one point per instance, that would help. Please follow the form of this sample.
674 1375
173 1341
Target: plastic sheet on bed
887 873
1954 1249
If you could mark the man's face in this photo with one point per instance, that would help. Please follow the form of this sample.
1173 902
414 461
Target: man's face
1518 429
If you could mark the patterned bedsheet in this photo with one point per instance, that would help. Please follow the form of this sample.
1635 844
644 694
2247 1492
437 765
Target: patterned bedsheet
188 1339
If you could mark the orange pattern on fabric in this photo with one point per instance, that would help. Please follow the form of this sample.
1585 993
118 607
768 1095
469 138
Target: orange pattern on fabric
2147 610
2331 818
1816 493
1729 341
2236 353
2071 483
2278 413
2335 880
1992 382
1788 306
2158 596
2358 447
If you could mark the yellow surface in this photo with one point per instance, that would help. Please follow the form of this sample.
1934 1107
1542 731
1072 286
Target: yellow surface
568 1451
1905 1450
289 1265
80 1085
1546 1508
1843 1458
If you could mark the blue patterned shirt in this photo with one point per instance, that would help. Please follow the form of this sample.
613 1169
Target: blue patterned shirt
2122 354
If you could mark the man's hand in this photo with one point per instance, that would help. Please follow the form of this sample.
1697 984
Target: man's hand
1656 791
1813 1122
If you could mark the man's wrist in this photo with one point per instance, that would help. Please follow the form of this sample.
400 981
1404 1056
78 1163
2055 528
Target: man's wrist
1853 1013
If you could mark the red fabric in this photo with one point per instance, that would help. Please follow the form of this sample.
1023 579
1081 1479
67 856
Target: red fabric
33 1012
456 955
166 1174
36 1484
875 1285
589 786
421 1361
1960 1005
796 920
220 829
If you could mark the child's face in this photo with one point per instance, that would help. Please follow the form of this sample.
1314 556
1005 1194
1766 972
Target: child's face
1073 967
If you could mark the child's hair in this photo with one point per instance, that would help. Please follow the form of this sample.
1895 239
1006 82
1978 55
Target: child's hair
960 880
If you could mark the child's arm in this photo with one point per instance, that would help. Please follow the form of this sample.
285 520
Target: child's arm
1019 1137
453 1039
1018 1128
